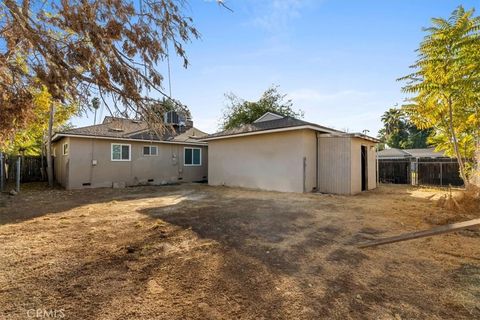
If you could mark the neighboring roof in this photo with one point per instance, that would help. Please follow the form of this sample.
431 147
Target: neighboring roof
128 129
426 153
394 153
276 124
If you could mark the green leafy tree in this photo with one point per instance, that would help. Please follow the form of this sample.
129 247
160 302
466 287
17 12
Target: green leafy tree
400 132
239 111
445 87
30 139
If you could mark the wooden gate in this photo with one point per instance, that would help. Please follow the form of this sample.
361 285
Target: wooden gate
394 171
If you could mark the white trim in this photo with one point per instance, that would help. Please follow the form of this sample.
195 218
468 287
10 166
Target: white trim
394 158
277 116
63 149
150 150
350 135
270 131
192 165
126 139
121 144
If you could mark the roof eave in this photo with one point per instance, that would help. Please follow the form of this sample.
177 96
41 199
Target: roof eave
353 135
251 133
58 136
363 136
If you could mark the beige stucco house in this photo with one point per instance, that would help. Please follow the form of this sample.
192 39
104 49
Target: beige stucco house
124 152
287 154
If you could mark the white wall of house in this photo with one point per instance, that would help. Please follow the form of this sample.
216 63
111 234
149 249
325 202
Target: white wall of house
272 161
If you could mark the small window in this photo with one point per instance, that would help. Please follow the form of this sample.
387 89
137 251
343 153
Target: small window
65 149
149 150
120 152
54 152
193 157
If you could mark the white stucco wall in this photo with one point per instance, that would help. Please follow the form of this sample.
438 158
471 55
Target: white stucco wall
272 161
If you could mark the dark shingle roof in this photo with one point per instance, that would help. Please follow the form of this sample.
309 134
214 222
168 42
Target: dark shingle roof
286 122
113 127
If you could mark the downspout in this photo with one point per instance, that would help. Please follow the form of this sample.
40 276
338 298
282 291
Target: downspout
377 167
91 160
316 162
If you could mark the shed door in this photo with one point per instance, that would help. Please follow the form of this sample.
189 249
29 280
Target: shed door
364 167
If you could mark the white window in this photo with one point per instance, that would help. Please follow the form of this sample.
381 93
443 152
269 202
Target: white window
54 151
65 149
192 157
120 152
149 150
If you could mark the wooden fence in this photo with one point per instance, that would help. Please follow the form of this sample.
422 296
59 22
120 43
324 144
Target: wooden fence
439 173
394 171
32 168
425 171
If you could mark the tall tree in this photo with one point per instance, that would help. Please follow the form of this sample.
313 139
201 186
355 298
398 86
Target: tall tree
80 48
400 132
446 85
239 111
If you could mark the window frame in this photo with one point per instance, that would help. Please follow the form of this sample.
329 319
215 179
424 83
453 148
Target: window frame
150 151
63 149
184 157
121 145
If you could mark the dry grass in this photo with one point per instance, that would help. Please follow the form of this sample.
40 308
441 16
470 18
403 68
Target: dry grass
193 251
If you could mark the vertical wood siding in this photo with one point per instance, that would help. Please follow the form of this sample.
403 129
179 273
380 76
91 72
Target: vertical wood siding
334 165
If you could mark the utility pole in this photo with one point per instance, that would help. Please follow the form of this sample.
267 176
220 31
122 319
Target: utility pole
2 173
49 146
95 105
19 164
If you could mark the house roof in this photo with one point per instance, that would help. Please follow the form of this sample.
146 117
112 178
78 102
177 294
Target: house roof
426 153
286 123
264 126
129 129
394 153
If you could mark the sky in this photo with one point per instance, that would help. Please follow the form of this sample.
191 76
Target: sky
338 60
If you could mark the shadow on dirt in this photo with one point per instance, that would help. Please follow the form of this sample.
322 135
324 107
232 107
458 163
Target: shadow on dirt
38 201
238 255
247 225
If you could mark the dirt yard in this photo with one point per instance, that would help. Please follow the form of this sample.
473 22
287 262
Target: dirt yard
200 252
